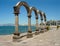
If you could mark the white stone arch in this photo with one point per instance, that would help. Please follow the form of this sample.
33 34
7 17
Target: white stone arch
16 12
36 16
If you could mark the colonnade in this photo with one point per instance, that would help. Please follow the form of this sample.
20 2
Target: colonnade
29 11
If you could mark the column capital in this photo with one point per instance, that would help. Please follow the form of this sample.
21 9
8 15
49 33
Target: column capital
29 16
16 14
41 19
36 17
16 10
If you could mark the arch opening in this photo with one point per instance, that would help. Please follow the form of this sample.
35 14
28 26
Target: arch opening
36 17
23 20
33 21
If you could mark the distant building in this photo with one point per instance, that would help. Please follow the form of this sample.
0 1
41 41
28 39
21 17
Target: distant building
53 22
58 22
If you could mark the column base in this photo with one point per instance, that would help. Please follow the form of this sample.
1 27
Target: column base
37 32
42 31
45 30
29 34
16 37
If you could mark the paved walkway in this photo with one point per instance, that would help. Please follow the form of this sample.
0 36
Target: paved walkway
50 38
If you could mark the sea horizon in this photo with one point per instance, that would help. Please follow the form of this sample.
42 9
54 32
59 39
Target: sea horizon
7 30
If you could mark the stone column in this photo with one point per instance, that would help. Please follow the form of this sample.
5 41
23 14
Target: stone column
41 23
45 27
41 26
36 24
37 28
45 21
16 24
16 33
41 15
29 34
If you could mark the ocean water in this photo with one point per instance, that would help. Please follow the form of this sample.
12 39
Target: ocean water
5 30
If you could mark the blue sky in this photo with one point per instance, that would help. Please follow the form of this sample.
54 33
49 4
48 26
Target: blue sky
50 7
